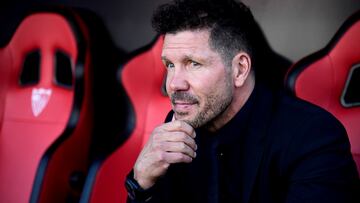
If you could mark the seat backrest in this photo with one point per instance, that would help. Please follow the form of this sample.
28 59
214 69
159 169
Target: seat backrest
37 98
4 80
142 78
330 78
98 103
63 167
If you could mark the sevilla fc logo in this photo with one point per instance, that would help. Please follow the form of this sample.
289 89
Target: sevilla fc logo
39 99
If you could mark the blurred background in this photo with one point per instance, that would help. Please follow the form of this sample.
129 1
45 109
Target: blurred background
293 28
89 162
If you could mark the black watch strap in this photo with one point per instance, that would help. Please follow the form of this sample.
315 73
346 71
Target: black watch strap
135 191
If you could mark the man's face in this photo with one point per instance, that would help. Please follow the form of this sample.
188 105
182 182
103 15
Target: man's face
199 85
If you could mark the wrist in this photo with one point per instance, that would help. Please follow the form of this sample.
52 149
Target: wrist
135 190
143 182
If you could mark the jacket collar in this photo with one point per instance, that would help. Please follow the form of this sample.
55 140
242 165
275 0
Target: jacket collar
256 139
250 127
257 116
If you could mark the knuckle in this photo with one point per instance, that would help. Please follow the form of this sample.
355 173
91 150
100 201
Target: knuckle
183 146
193 144
178 124
191 130
154 136
185 158
183 136
178 157
156 130
156 146
159 128
161 156
165 166
157 137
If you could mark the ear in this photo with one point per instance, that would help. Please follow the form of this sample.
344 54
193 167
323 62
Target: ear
241 66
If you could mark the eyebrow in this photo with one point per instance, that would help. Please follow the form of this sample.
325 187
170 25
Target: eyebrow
188 57
185 58
164 58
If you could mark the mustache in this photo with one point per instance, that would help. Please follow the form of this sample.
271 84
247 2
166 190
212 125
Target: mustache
183 96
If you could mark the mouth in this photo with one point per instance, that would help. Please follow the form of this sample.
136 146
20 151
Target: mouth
183 106
183 103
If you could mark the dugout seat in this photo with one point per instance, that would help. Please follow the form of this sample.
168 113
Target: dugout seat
45 120
142 78
330 78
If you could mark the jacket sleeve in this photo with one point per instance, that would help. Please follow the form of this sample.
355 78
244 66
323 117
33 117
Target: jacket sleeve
162 185
320 167
159 193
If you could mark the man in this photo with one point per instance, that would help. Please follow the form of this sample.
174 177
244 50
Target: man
229 138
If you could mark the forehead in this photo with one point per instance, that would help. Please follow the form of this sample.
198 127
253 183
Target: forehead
187 42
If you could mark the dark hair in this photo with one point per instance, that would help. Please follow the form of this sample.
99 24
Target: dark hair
231 24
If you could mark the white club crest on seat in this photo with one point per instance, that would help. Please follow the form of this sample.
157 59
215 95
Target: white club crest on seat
39 99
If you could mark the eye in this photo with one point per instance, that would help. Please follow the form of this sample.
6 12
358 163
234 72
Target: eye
169 65
194 64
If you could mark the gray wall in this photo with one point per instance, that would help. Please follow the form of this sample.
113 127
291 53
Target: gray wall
294 28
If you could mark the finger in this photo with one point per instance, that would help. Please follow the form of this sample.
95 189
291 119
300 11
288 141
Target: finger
180 137
177 157
179 147
178 125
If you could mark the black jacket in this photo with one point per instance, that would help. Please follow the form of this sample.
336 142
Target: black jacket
276 149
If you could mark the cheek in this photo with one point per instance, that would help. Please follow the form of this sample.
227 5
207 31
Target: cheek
209 85
167 83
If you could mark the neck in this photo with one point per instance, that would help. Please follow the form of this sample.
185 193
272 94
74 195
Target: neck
241 95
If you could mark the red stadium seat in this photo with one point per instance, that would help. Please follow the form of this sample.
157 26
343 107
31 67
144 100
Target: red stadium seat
142 78
4 81
45 122
103 114
330 78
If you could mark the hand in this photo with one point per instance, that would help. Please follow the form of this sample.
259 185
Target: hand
169 143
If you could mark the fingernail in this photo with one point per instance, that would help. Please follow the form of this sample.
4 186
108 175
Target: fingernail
194 154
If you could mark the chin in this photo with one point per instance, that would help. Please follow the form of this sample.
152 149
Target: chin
184 116
188 119
181 116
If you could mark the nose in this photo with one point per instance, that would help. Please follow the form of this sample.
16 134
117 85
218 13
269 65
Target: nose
177 80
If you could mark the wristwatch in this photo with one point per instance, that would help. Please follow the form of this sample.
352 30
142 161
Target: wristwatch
135 191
